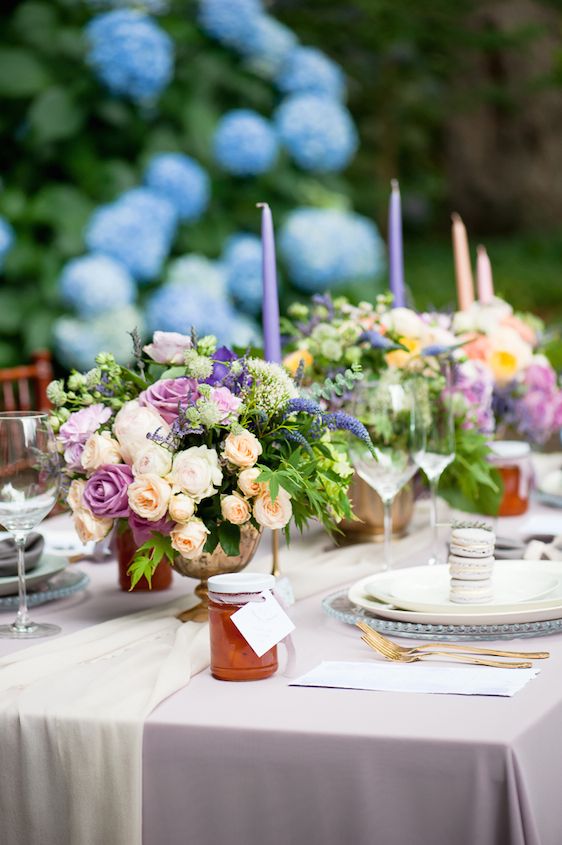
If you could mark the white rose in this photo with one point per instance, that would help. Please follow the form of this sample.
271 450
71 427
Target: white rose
181 507
75 493
404 322
195 471
131 426
90 527
242 450
248 484
189 539
100 449
273 514
235 509
152 459
149 496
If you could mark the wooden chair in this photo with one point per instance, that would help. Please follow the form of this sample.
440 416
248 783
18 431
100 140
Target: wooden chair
24 388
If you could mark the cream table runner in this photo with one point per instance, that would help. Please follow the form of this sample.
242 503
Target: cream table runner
72 709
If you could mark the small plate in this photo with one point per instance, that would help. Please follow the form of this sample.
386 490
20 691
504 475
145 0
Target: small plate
59 586
426 589
48 566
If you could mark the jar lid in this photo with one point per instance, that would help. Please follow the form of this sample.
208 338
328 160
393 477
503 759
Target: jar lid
510 449
241 582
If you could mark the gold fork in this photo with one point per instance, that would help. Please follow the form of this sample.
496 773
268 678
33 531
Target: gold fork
468 649
397 656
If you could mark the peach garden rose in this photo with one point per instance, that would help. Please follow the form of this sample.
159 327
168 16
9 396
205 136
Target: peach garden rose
149 496
243 449
235 509
248 484
100 449
89 527
189 539
273 514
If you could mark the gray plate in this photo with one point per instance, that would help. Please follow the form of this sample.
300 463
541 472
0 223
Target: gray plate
48 566
58 586
340 607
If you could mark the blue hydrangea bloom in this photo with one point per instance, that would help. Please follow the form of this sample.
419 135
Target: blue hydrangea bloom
318 132
6 238
130 54
245 143
325 247
245 332
77 342
198 272
182 181
242 258
267 44
177 306
230 21
136 230
96 283
307 70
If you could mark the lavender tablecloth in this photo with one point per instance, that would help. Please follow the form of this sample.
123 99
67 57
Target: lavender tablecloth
267 764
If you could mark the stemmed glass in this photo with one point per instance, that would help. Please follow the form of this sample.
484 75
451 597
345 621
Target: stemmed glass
29 483
437 447
387 409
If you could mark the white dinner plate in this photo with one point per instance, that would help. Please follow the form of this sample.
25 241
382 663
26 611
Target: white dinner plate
472 614
426 589
48 566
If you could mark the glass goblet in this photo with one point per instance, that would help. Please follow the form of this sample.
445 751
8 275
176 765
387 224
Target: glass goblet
387 409
29 483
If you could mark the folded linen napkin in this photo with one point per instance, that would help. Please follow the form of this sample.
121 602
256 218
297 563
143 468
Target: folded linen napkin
9 556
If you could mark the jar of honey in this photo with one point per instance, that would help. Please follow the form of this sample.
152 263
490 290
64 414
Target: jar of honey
512 459
232 658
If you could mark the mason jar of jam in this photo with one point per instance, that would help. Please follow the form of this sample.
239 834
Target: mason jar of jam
232 658
512 459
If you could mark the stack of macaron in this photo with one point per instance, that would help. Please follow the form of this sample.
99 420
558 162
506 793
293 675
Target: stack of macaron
471 562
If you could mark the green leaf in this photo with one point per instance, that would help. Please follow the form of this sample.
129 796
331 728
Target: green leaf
21 73
229 538
55 116
148 556
173 372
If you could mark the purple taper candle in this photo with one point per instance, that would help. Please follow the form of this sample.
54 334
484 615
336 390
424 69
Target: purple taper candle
270 307
395 250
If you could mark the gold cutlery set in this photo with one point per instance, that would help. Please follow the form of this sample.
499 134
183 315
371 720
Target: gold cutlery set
463 653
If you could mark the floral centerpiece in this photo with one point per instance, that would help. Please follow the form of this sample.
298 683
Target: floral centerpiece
329 339
191 446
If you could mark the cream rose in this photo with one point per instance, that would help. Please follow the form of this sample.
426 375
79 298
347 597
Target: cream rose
100 449
75 492
235 509
181 507
189 539
273 514
152 460
131 426
149 496
248 484
196 472
90 527
404 322
242 449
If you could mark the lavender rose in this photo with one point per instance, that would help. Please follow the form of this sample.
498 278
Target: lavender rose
106 491
170 394
74 433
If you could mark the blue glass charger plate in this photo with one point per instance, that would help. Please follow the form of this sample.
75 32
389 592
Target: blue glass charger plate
340 607
61 585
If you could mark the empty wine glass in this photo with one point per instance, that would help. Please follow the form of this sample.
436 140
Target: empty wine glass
437 445
387 409
29 483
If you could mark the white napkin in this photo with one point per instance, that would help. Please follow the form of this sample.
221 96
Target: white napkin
71 718
426 677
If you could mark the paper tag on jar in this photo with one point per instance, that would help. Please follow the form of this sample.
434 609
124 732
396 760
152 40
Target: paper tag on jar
263 624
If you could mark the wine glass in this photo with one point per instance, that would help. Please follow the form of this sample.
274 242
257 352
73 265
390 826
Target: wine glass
29 483
387 409
437 447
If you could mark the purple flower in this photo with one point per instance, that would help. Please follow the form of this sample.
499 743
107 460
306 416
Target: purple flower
169 395
221 358
226 402
78 428
378 341
105 493
142 528
540 377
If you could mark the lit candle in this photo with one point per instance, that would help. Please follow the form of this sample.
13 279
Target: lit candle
463 269
270 307
395 250
484 276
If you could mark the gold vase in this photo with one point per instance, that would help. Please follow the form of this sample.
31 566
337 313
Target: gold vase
368 508
215 563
